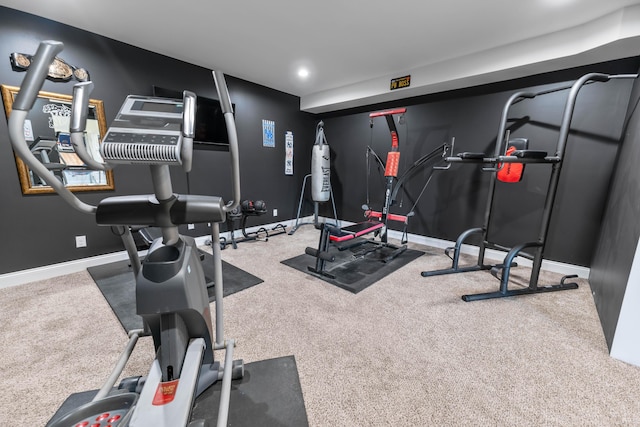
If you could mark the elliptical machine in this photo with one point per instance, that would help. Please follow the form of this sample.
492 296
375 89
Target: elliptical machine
171 293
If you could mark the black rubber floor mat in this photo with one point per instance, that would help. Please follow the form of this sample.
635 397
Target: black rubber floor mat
352 271
117 284
269 395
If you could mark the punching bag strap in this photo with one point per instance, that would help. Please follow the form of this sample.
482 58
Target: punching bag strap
320 138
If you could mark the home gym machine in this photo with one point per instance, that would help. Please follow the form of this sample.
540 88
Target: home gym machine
376 221
171 294
320 176
507 165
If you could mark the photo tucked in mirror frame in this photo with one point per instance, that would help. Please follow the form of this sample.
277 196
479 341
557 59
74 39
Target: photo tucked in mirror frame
47 133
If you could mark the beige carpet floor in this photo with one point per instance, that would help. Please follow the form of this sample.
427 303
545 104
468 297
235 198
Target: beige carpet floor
407 351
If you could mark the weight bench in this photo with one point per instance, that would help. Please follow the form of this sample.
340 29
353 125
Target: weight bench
347 238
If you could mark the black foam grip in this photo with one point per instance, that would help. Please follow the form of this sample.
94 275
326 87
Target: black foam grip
469 155
530 154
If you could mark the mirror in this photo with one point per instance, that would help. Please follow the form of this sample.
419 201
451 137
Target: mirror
47 133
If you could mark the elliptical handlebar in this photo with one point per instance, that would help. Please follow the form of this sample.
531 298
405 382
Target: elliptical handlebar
31 85
25 100
188 128
78 123
227 110
38 70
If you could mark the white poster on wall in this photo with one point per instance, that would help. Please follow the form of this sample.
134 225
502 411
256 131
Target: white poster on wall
288 153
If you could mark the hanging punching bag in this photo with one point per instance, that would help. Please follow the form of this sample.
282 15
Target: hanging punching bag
320 167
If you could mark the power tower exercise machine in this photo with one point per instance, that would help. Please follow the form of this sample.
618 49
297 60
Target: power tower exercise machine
507 164
376 221
171 294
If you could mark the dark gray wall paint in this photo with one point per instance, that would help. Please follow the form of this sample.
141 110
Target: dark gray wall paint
620 230
455 200
39 230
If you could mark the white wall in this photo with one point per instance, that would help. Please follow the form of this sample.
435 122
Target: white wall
626 341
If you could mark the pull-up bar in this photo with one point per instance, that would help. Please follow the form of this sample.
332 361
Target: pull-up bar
501 271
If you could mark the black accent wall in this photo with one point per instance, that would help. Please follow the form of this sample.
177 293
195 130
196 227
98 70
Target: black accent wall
455 199
39 230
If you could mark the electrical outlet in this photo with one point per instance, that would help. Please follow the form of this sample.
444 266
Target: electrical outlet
191 226
81 241
275 212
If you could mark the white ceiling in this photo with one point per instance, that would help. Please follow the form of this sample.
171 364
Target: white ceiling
353 48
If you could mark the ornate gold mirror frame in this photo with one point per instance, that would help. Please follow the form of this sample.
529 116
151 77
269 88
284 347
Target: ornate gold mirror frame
47 133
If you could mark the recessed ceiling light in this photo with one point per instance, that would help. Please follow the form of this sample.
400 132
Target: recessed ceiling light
303 73
558 2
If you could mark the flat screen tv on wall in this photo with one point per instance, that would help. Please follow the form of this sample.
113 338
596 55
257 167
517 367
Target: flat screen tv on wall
211 131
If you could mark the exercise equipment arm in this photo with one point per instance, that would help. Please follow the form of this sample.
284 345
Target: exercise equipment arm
447 148
38 71
31 85
227 110
79 113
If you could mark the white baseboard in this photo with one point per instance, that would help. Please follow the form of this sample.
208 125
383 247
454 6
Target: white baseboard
492 254
495 255
54 270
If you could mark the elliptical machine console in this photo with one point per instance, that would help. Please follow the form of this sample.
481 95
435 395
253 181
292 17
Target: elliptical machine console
150 130
171 294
